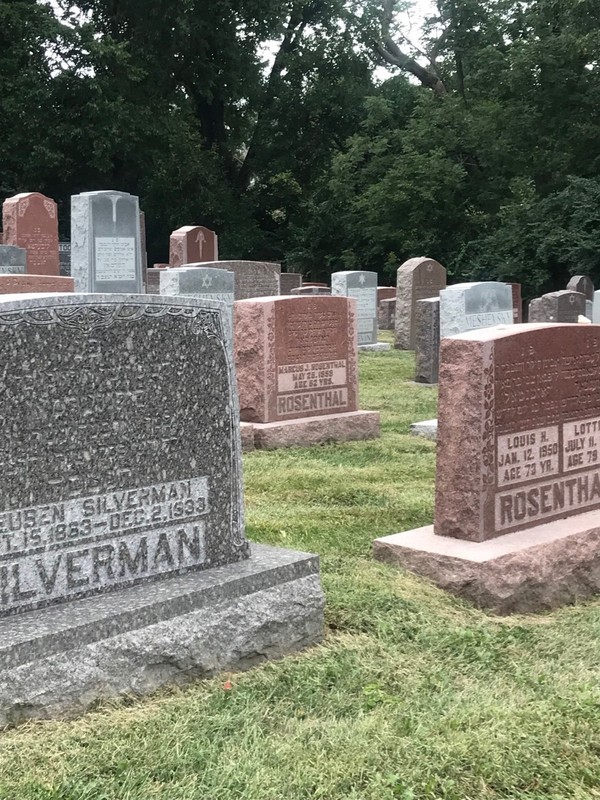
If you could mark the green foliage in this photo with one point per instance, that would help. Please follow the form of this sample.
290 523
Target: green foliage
261 118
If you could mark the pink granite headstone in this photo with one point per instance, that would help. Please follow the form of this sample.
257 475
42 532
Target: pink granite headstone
386 293
518 429
517 303
191 244
30 220
295 357
25 284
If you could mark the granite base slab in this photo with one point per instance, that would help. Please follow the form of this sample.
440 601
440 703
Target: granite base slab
57 662
537 569
427 429
379 347
349 427
247 432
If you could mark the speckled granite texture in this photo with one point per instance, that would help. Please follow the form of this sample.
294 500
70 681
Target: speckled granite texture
120 451
59 661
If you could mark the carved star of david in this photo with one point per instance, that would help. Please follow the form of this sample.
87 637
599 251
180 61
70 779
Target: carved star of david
206 281
362 279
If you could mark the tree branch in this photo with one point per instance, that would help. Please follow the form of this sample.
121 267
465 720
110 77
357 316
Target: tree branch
392 54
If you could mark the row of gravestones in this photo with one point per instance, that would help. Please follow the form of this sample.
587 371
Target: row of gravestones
425 310
123 559
107 255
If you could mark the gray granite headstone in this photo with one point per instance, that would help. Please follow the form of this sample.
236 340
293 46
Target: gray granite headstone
583 284
427 340
123 561
362 286
470 306
596 308
562 306
252 278
386 314
289 281
64 258
13 260
122 461
106 251
196 280
416 279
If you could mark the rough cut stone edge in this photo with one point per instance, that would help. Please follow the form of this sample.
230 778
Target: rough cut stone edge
247 433
427 429
379 347
348 427
538 569
135 641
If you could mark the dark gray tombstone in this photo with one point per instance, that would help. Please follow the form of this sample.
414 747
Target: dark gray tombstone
289 281
13 260
362 286
106 251
583 284
252 278
123 556
386 314
471 306
64 258
561 306
427 340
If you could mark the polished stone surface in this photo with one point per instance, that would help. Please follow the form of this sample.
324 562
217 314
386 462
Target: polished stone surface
120 451
289 281
196 280
519 428
13 260
427 340
192 244
106 253
472 306
562 306
252 278
30 220
295 357
362 286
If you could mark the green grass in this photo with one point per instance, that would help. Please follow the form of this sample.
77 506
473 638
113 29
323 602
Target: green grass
412 695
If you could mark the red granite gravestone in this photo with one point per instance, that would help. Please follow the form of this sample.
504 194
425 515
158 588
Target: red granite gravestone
518 469
30 220
191 244
296 364
24 284
386 293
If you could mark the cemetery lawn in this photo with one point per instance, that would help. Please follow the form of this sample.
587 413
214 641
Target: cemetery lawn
413 695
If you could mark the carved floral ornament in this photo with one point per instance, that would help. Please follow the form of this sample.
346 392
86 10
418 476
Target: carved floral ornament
89 318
